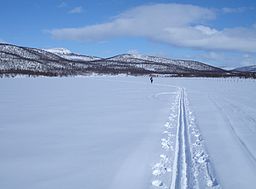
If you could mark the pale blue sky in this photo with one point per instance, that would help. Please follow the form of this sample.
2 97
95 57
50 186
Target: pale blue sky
219 32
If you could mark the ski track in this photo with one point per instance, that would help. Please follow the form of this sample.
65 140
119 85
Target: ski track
235 134
184 163
181 174
243 115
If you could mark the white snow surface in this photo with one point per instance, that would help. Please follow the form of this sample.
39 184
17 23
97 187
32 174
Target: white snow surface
67 54
61 51
123 132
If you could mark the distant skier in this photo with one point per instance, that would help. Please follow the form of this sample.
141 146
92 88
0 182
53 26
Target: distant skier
151 79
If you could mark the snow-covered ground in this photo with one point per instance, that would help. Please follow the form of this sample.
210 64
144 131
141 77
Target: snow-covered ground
123 133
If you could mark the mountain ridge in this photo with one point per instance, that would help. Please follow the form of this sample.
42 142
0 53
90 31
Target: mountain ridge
16 60
251 68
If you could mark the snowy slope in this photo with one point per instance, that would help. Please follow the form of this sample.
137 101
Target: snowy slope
67 54
77 57
59 61
174 133
185 64
60 51
246 69
141 65
22 58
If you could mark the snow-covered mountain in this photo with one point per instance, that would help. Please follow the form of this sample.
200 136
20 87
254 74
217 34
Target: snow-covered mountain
59 61
25 60
176 64
67 54
246 69
31 61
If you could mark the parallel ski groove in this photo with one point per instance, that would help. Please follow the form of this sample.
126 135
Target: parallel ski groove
181 171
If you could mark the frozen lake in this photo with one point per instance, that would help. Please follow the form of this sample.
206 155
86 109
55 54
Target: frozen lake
123 132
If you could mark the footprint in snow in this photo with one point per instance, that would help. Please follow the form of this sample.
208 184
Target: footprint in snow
203 159
157 183
165 144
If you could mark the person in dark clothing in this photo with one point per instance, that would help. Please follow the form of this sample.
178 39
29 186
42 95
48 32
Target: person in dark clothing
151 79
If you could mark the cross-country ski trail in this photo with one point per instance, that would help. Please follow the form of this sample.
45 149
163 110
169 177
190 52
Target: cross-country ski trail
184 163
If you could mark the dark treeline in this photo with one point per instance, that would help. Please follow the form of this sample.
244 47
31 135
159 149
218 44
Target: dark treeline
120 70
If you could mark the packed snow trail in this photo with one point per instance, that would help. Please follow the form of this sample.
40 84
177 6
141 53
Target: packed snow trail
185 163
181 171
